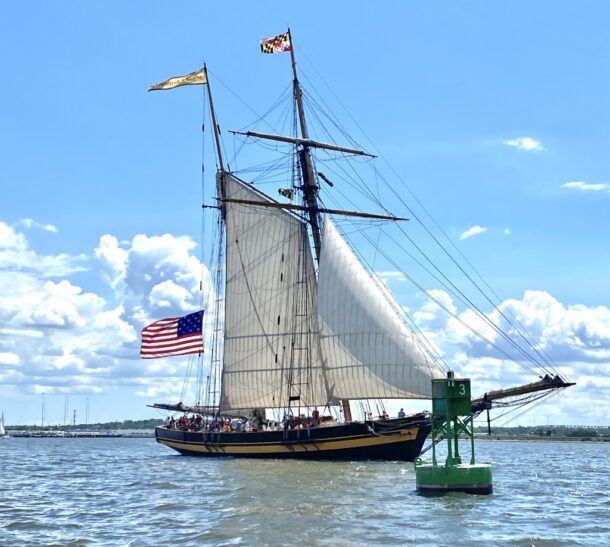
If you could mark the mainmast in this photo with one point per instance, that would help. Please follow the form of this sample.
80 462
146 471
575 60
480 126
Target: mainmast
310 188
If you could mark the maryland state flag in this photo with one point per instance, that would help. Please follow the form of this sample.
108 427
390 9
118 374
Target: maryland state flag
276 45
198 77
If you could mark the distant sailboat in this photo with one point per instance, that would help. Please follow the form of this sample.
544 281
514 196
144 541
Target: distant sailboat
3 434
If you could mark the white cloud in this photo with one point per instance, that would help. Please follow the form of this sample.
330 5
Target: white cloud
472 232
30 223
9 358
393 275
507 231
587 187
10 239
576 338
57 337
525 143
15 255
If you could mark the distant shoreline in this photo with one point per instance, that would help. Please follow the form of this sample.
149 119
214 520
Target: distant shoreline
543 439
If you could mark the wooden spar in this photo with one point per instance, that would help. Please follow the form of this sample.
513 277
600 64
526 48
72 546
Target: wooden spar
544 384
221 166
310 188
220 181
304 142
277 205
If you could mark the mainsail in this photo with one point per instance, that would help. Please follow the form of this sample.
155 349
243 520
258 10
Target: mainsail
271 347
369 352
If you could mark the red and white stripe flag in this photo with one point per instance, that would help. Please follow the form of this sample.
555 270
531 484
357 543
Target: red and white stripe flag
173 336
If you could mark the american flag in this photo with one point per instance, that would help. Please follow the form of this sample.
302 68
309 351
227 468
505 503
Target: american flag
173 336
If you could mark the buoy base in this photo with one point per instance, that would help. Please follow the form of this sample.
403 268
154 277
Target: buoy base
472 479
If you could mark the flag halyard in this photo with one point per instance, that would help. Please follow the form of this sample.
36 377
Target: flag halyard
277 44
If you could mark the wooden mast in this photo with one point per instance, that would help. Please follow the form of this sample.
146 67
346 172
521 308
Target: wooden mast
310 188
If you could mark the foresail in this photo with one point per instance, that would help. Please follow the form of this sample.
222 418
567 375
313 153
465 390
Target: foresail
368 350
271 339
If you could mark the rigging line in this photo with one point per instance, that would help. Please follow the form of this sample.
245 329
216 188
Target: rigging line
319 115
242 101
283 99
456 317
215 357
457 293
467 276
347 173
187 377
339 168
545 398
549 367
334 119
422 206
363 187
275 163
539 351
270 168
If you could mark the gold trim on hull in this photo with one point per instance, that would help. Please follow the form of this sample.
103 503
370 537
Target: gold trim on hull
322 445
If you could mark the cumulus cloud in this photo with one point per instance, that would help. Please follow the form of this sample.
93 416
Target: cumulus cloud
587 187
574 338
58 337
153 275
473 231
16 255
507 231
525 143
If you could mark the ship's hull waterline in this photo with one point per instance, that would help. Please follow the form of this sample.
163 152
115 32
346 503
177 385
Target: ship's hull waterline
397 439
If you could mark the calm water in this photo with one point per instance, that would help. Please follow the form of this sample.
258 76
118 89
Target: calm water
135 492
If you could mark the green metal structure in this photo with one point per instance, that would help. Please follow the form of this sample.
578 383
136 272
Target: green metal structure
451 418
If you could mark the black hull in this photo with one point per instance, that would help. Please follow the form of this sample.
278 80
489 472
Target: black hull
399 439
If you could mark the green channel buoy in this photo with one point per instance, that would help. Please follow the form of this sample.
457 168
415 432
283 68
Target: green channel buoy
452 417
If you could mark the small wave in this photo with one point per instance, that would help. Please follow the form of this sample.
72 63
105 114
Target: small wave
170 506
26 525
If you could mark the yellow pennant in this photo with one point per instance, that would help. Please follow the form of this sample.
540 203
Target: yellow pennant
198 77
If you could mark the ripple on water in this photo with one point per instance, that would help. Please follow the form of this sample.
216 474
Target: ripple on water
133 491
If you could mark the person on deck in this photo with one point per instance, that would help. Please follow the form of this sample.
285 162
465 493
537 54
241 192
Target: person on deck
316 417
401 414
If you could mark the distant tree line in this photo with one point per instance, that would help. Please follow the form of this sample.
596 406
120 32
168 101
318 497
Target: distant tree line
125 424
580 432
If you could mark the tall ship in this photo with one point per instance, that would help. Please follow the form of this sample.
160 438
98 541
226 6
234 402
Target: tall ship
304 344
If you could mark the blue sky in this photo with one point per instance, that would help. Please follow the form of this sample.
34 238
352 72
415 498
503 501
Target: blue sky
494 114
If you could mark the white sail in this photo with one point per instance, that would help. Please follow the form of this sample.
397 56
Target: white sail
368 350
271 340
2 430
